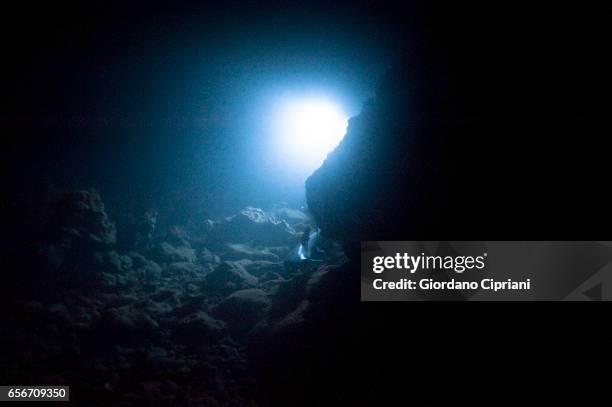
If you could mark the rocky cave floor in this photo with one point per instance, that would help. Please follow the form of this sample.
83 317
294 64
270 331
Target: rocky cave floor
158 317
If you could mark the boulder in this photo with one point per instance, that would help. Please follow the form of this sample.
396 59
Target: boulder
229 277
253 225
292 216
206 256
181 269
288 295
178 237
305 299
146 269
242 310
260 267
81 214
281 251
76 228
238 251
164 252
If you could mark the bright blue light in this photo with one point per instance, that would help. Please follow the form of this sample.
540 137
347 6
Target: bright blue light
305 130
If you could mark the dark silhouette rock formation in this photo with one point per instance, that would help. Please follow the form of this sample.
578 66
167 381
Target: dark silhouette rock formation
469 136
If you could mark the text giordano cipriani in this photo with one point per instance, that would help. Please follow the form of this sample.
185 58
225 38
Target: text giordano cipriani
457 264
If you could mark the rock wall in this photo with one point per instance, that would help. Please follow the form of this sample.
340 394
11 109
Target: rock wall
463 141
